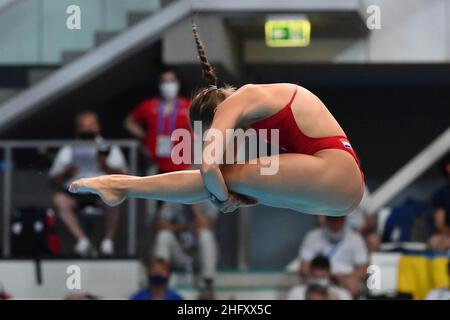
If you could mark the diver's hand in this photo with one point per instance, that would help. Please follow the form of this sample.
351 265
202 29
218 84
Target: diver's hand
233 202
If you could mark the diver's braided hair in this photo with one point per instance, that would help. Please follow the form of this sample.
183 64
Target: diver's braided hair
205 101
209 73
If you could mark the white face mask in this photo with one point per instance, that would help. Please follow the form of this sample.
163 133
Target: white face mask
169 90
319 281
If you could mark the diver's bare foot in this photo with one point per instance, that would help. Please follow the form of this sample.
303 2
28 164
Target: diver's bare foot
100 186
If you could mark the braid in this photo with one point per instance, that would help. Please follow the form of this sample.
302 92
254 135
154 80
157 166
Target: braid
209 73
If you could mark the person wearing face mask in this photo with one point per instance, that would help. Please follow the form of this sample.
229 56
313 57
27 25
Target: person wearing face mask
345 249
158 283
88 159
320 275
154 120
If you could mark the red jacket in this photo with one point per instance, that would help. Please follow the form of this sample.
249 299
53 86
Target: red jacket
146 113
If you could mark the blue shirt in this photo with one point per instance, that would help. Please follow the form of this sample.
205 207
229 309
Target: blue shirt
147 295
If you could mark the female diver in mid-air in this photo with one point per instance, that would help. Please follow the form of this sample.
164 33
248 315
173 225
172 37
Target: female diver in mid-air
318 174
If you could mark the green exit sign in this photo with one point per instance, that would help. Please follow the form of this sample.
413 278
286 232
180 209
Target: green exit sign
288 33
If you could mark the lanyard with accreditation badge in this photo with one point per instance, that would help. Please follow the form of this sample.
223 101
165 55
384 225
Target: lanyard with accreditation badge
163 141
335 247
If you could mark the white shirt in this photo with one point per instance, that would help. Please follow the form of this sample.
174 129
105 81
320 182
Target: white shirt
85 157
439 294
338 293
346 254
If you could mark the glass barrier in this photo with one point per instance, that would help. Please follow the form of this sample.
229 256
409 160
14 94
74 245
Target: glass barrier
36 32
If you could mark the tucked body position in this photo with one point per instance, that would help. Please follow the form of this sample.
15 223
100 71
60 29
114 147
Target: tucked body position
318 171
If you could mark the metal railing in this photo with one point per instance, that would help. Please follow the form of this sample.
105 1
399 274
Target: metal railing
8 148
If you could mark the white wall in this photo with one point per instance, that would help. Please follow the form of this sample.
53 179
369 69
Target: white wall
18 40
412 31
110 279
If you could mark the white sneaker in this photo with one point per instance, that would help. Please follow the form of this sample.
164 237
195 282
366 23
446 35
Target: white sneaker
107 247
83 247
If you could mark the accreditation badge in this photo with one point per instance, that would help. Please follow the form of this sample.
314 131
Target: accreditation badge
163 146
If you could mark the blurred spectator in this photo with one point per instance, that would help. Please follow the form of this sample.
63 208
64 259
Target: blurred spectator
440 240
441 293
84 161
363 221
3 294
158 280
316 292
320 275
154 120
344 247
184 234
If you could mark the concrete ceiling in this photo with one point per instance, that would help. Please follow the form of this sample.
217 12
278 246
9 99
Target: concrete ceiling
324 25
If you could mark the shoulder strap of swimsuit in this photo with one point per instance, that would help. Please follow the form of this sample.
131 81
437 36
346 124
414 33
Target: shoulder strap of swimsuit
293 96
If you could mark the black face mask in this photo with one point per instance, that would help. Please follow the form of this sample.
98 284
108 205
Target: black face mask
157 280
87 135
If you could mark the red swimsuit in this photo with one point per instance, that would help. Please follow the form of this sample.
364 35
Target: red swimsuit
292 139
